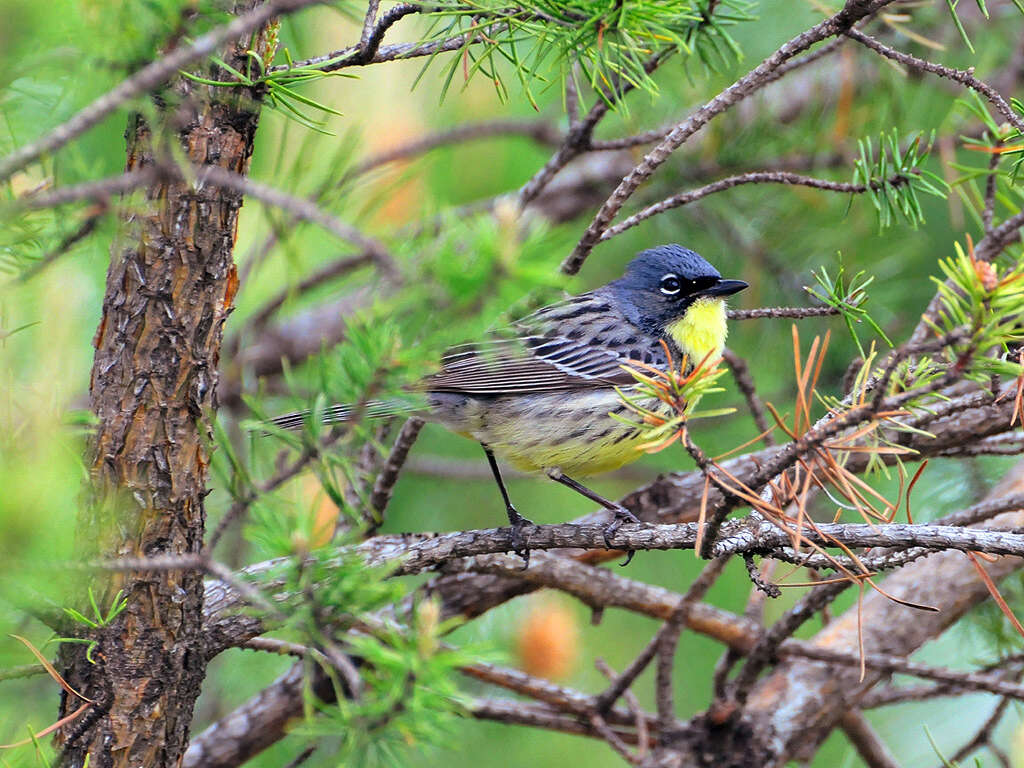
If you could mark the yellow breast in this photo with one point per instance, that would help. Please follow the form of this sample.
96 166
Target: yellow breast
701 330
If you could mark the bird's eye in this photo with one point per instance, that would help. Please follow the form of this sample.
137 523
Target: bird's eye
671 285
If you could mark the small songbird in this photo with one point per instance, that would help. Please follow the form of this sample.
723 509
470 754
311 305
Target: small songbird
541 393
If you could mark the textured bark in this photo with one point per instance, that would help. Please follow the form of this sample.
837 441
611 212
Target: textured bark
169 289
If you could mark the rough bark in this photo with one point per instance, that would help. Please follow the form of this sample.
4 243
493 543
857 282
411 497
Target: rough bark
169 288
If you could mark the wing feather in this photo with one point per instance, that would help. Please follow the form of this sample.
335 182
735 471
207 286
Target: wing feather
535 356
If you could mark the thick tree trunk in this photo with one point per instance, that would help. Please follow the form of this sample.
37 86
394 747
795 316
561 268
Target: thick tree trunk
169 289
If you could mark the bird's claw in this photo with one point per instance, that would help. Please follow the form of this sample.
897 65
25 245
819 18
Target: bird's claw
621 515
520 545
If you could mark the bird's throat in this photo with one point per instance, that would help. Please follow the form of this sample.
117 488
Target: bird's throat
701 331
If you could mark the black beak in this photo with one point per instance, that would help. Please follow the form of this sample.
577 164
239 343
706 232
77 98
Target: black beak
724 288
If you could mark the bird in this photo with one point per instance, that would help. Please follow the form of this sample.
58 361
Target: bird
543 393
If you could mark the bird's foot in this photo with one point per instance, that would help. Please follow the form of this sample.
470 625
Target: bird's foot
621 515
520 545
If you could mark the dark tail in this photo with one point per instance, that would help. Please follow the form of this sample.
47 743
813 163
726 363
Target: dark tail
374 409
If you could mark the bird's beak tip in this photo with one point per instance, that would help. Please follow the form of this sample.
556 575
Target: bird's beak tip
726 287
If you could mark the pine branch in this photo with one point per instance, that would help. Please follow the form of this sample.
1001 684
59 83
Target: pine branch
752 177
964 77
753 81
866 741
145 80
301 209
745 384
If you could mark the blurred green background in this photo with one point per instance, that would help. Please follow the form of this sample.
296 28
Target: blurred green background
55 57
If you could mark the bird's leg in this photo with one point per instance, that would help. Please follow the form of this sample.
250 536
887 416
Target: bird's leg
517 521
622 515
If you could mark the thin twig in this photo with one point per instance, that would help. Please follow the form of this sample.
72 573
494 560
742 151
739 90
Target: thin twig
352 56
388 476
305 210
769 643
993 243
366 466
100 190
668 640
796 313
656 134
539 716
369 24
613 740
23 670
965 681
565 699
330 271
146 79
580 135
865 740
542 132
751 177
963 76
745 383
677 619
297 206
984 733
278 646
887 696
990 191
86 228
639 716
996 445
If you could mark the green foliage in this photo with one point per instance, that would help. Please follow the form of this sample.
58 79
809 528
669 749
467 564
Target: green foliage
280 85
848 298
985 305
610 40
664 402
408 677
991 626
952 5
99 619
410 692
1000 139
893 178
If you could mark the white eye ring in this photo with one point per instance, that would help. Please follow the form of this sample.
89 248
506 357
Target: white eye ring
673 278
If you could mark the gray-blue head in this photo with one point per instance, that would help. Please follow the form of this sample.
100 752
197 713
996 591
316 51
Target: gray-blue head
661 283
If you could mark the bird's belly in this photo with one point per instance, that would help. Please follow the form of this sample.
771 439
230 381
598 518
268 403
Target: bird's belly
571 431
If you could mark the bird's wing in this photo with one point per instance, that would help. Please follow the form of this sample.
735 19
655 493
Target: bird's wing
568 346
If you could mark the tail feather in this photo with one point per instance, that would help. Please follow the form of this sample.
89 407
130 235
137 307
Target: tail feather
335 414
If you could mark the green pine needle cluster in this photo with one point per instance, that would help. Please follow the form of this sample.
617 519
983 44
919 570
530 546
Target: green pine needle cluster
894 177
987 303
663 402
612 41
848 297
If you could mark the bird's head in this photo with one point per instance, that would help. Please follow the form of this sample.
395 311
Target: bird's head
673 291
